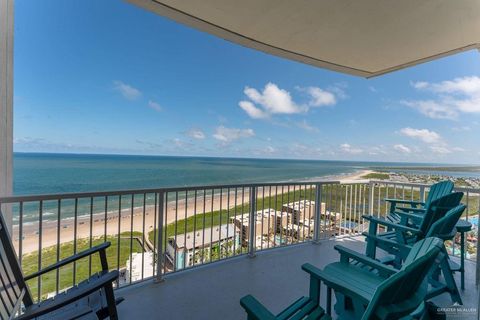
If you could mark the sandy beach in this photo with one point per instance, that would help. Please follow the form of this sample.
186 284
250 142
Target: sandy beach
111 224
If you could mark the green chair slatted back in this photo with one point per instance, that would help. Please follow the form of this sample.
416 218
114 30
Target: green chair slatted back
404 291
13 290
445 225
438 190
438 208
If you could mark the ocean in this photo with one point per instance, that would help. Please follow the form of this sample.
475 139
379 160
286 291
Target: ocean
41 173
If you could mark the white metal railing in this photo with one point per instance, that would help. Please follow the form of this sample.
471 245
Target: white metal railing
154 232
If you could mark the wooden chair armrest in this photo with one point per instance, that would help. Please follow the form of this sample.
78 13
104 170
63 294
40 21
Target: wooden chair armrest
61 263
383 269
407 215
69 297
394 247
402 201
395 226
405 209
254 309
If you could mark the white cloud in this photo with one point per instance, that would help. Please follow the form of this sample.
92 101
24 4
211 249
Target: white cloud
126 90
195 134
273 99
460 95
440 149
347 148
433 109
463 85
251 110
228 135
270 149
306 126
154 105
320 97
402 148
424 135
461 128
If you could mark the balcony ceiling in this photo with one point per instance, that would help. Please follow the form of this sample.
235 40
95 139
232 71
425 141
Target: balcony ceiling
364 38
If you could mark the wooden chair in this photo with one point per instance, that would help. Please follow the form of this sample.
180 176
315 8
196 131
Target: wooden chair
443 228
303 308
90 299
360 293
396 242
386 293
436 191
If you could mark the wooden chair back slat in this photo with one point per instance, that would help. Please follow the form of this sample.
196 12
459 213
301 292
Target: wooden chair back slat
446 224
439 190
13 289
438 208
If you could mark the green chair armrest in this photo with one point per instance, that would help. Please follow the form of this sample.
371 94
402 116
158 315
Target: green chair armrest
395 226
254 309
417 210
407 215
314 271
383 269
402 201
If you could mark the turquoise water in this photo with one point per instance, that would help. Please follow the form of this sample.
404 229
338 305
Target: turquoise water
59 173
36 173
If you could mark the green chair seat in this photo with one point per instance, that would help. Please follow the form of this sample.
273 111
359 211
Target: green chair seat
353 280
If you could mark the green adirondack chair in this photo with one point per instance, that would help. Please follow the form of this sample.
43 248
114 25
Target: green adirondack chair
436 191
394 242
386 293
303 308
443 228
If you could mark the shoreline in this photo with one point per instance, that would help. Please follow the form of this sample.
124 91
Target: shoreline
110 224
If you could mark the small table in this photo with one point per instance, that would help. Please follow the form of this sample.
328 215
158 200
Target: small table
462 226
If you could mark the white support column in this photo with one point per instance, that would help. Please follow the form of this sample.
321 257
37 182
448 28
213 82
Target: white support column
6 102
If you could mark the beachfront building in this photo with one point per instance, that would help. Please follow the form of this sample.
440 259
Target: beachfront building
301 210
266 221
139 266
186 250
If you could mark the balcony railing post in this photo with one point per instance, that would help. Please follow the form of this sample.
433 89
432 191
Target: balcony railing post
160 260
371 189
422 193
252 223
477 262
318 208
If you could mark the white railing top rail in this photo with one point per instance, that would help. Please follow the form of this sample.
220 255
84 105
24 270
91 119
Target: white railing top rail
37 197
421 185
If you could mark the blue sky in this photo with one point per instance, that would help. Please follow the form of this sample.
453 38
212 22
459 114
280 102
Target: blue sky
108 77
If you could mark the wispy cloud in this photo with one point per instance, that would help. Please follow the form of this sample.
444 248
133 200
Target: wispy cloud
320 97
126 90
195 134
440 149
452 97
227 135
401 148
424 135
347 148
306 126
154 105
252 111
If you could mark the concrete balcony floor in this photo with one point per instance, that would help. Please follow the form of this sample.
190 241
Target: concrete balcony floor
273 276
